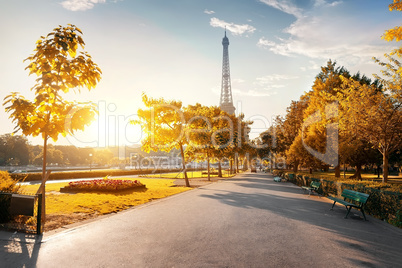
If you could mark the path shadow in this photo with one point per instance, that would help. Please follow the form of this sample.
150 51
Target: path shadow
287 201
19 249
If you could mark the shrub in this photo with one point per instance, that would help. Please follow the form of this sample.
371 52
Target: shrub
87 174
8 184
102 185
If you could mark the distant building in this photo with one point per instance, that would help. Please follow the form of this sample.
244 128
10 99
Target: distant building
226 101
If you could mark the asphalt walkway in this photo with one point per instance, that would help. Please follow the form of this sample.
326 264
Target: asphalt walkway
247 221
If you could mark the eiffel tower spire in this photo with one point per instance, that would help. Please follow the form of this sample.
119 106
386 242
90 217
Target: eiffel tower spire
226 102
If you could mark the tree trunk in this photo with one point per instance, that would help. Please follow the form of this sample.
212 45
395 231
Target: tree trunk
208 168
234 164
385 167
295 166
338 171
237 163
43 218
378 170
219 169
184 166
245 161
358 173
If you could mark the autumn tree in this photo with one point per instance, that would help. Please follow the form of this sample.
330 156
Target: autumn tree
374 116
201 126
213 134
163 123
324 133
289 129
395 33
272 144
242 144
61 65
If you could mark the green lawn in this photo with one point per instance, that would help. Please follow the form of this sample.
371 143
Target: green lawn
102 203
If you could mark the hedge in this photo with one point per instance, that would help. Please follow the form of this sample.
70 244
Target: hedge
8 183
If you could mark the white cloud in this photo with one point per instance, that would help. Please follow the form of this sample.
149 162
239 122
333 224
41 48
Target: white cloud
209 12
264 86
260 88
290 7
312 66
235 29
325 3
284 6
320 33
80 5
273 78
238 80
256 92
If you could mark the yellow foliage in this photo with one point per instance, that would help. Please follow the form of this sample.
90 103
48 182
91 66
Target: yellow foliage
7 184
396 5
395 33
391 34
58 68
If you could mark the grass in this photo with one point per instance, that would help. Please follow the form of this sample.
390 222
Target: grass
79 206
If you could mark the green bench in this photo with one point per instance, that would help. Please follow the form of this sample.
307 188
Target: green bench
358 199
314 186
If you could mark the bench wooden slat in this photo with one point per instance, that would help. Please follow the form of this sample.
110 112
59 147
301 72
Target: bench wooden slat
360 200
343 202
314 186
356 196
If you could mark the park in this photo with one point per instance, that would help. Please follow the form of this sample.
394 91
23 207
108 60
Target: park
150 173
246 220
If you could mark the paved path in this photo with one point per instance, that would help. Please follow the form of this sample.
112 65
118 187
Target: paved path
248 221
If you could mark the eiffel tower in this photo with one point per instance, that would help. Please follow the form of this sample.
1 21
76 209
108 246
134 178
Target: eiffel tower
226 102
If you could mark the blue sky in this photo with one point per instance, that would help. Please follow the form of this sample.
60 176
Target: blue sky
173 49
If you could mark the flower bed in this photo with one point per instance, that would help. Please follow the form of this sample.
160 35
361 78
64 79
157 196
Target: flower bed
102 185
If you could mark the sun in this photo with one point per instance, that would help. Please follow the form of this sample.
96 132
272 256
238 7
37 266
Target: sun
108 131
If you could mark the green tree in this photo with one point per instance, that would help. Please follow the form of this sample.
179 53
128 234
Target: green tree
14 147
103 157
60 66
